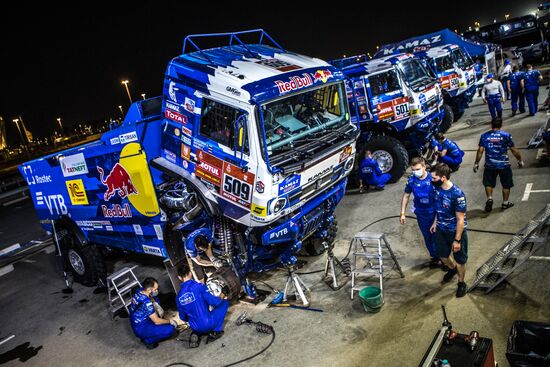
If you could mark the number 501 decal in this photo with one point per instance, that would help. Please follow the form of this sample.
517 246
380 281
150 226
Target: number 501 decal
402 110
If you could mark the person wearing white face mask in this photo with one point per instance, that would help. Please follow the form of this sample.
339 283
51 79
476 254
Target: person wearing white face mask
146 315
420 185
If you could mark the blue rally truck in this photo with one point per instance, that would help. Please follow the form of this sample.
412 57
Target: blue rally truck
397 105
249 146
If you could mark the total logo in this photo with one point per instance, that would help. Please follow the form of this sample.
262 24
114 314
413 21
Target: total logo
55 203
118 181
173 115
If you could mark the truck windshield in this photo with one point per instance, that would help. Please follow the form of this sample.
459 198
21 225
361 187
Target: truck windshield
385 82
414 72
291 121
444 63
461 59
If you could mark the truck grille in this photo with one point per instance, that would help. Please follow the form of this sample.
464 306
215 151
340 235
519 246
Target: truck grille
313 186
311 221
432 103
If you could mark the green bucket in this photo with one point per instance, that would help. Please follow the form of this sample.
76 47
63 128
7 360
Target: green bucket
371 298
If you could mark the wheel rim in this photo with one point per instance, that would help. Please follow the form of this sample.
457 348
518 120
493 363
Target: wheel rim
76 262
384 159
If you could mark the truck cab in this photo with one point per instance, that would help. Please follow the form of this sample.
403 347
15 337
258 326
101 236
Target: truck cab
454 69
397 105
249 146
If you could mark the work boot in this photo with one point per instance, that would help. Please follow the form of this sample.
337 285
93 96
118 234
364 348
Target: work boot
449 275
513 113
150 346
214 335
434 263
461 290
489 205
194 340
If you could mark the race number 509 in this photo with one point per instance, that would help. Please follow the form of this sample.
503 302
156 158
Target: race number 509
237 187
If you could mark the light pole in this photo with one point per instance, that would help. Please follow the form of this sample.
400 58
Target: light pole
506 16
60 124
143 95
125 82
121 111
26 148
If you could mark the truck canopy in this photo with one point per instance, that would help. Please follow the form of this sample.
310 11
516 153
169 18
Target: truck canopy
440 38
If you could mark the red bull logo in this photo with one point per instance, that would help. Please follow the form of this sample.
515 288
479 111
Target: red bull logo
296 82
322 75
118 181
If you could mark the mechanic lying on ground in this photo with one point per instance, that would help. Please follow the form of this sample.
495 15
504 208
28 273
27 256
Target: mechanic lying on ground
146 315
193 302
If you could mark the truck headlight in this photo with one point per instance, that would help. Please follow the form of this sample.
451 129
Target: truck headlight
349 164
277 205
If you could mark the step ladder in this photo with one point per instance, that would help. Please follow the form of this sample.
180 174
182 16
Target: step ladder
514 253
536 140
119 287
375 249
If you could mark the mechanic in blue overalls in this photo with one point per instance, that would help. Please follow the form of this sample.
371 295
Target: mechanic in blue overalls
420 185
515 85
198 247
531 85
478 66
196 305
146 315
371 174
492 93
447 152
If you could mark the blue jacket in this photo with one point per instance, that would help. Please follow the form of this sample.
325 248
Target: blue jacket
369 169
141 308
452 149
515 80
193 303
423 192
532 80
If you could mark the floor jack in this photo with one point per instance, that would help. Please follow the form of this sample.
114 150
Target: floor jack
300 289
333 278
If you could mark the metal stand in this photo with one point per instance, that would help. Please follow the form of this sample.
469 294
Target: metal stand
300 288
66 278
331 264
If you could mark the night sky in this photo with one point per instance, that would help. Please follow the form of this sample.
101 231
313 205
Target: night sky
71 64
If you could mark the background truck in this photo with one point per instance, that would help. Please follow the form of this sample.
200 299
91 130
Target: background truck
249 146
397 105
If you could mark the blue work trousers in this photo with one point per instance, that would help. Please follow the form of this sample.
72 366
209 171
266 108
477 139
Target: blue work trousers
518 98
495 106
150 333
532 97
213 322
378 181
425 221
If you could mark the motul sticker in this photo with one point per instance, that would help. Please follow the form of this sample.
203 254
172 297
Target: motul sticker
209 168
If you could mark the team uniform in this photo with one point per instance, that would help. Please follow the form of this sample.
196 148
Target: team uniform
496 144
144 328
447 203
517 92
531 82
453 157
193 251
492 92
424 208
504 76
371 174
194 302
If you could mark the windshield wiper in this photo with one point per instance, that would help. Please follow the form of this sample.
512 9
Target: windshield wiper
303 152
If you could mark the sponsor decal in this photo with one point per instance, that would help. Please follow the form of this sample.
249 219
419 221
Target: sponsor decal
346 152
186 131
117 211
279 233
322 75
393 110
115 140
296 82
73 165
118 182
170 156
259 210
416 45
177 132
55 203
237 185
189 104
260 187
109 228
137 229
172 91
128 137
233 91
280 65
209 168
35 179
186 152
320 174
449 82
152 250
158 231
186 139
176 116
173 106
76 191
289 184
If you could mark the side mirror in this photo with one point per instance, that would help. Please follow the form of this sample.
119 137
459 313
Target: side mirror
240 139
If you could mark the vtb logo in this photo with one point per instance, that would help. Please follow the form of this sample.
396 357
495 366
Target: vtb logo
118 181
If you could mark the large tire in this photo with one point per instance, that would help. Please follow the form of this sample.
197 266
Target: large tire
226 281
390 154
448 118
84 262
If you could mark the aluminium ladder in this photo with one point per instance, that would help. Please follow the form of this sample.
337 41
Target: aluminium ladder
120 285
374 248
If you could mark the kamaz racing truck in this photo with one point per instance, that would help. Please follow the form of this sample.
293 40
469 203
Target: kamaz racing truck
397 105
454 69
249 146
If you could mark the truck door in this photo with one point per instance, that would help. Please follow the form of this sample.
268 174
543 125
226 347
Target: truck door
223 157
386 96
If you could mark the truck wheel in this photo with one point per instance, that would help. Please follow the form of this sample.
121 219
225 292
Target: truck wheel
391 155
448 118
226 281
84 262
314 247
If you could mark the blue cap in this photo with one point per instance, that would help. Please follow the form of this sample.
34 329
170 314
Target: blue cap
506 62
489 76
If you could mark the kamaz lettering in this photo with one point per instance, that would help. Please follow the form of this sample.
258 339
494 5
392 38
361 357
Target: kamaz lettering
426 42
320 174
